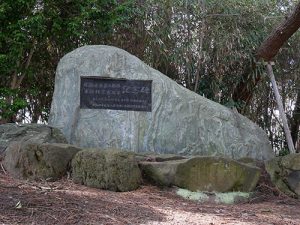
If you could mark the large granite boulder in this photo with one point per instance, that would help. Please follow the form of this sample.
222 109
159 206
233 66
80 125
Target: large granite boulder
37 133
285 173
213 174
106 169
181 121
48 161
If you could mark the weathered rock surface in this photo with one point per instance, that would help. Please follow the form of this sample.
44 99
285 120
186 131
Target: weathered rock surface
285 173
106 169
181 121
38 161
37 133
203 174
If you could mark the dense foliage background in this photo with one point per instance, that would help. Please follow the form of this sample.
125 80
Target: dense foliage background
208 46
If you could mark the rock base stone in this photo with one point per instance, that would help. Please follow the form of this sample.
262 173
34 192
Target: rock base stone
37 133
48 161
106 169
285 173
212 174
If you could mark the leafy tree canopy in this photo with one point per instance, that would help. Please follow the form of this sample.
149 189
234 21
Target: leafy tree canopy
34 35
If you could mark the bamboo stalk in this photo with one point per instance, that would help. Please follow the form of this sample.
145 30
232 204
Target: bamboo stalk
281 110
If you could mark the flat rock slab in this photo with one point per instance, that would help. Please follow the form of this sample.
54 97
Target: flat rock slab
203 174
150 157
38 133
106 169
48 161
180 122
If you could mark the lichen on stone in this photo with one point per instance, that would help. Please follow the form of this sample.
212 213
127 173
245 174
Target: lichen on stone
196 196
216 197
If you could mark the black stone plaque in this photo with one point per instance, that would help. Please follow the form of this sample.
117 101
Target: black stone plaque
118 94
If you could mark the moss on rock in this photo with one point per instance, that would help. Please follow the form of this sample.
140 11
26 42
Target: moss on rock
106 169
284 173
216 174
291 161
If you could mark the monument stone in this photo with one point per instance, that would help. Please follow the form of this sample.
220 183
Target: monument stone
107 98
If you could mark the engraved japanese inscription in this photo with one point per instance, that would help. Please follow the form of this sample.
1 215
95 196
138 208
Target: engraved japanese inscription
117 94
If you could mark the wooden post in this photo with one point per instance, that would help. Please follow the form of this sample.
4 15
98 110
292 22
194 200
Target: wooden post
281 110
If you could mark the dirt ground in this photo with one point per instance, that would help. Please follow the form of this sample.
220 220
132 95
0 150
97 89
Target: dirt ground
62 202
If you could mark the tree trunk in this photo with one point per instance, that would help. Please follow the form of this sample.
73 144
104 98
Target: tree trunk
243 91
295 121
16 82
201 33
270 47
